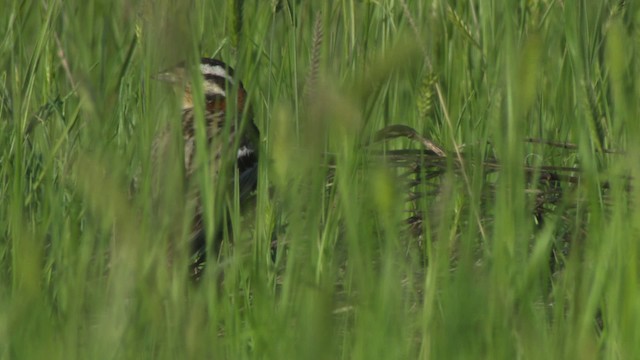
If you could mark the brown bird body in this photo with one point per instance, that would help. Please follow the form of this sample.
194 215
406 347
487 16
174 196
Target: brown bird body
227 130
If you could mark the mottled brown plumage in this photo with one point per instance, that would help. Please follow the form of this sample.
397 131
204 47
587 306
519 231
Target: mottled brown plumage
226 136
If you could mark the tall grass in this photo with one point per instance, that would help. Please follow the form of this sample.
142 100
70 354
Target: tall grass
90 268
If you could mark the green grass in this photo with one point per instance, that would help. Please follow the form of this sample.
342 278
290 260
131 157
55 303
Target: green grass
85 270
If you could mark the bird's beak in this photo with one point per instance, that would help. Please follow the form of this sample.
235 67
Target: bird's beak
173 76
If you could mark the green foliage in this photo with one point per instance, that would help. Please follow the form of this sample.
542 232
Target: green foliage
500 261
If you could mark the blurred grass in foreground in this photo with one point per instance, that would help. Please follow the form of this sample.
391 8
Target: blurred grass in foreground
84 265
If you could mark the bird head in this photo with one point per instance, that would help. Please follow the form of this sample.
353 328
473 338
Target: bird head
217 82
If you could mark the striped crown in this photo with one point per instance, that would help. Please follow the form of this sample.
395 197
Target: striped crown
217 77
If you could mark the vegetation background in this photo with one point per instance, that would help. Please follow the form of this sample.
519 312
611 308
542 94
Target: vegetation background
84 267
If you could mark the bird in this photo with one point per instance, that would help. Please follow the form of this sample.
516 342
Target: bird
231 140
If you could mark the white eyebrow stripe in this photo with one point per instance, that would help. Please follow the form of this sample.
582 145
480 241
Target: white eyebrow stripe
216 70
211 88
